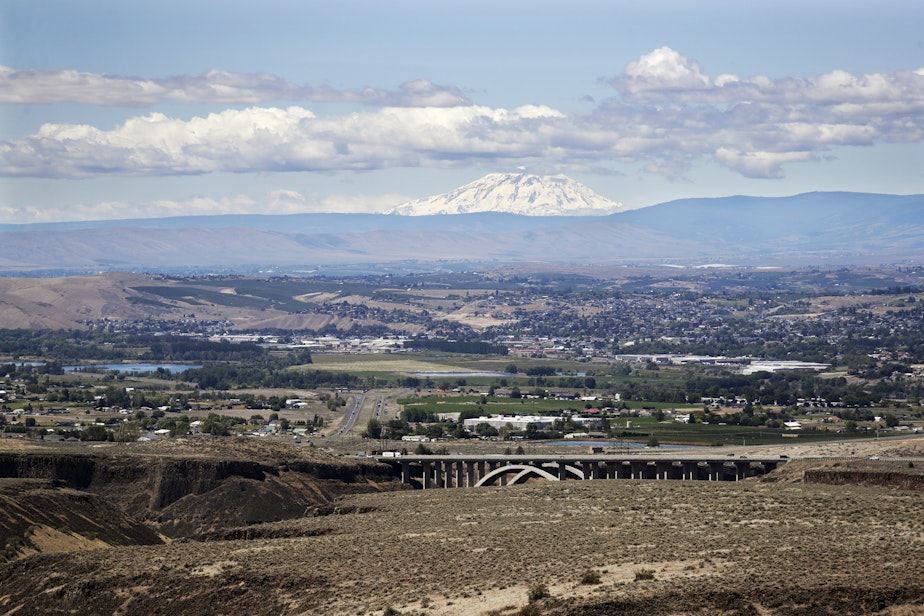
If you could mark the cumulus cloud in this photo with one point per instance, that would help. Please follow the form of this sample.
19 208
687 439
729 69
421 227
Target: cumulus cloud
666 76
215 87
667 114
663 70
273 139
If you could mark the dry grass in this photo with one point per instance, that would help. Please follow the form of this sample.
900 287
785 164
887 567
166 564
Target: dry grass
774 547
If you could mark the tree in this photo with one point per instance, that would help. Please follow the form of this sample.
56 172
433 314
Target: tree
95 433
653 442
373 429
485 429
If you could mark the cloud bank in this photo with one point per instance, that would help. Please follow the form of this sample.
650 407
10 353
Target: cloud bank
281 201
214 87
667 112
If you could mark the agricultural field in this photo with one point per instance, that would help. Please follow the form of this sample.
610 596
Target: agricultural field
391 366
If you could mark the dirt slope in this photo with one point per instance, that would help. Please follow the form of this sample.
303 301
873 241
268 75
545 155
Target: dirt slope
740 548
183 488
39 516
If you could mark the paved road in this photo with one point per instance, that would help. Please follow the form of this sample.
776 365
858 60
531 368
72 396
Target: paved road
352 414
356 407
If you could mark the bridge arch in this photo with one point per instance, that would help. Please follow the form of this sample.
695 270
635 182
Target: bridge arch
574 471
525 470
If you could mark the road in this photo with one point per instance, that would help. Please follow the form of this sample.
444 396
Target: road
352 414
356 407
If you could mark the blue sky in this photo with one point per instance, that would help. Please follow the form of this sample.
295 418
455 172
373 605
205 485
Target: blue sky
116 109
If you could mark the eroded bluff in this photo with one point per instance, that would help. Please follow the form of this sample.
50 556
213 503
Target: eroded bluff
189 488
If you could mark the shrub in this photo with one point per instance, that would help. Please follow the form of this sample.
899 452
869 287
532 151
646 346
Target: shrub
530 610
590 577
537 592
645 574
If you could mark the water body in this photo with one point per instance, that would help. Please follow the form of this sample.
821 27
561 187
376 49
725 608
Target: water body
615 444
131 368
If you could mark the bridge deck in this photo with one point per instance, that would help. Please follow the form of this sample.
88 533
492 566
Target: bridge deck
478 470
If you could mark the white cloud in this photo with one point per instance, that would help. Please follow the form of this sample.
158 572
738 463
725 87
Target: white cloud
663 70
669 114
215 87
759 164
281 201
666 76
272 139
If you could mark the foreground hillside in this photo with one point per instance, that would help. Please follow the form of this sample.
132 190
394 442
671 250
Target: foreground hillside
776 546
179 489
604 547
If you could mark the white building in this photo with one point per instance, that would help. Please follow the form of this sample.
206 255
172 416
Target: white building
516 422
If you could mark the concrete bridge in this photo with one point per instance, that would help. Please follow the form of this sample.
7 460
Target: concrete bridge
457 471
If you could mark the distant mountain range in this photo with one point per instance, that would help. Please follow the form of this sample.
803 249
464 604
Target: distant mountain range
812 229
515 193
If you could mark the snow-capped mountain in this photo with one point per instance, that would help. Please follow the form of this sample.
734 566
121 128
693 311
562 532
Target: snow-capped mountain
515 193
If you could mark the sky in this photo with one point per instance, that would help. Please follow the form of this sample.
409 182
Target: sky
115 109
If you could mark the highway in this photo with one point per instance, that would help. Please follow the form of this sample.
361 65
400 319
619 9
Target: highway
355 408
352 414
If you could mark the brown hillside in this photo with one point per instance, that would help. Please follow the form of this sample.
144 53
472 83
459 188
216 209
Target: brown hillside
594 547
186 488
41 516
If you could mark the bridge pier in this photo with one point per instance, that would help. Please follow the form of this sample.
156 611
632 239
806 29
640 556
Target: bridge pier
661 469
585 469
624 470
742 470
405 472
636 469
425 474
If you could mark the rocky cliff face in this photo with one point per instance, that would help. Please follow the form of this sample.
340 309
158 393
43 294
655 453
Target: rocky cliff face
42 516
891 479
186 496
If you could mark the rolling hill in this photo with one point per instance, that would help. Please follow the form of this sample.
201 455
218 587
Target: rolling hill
802 230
